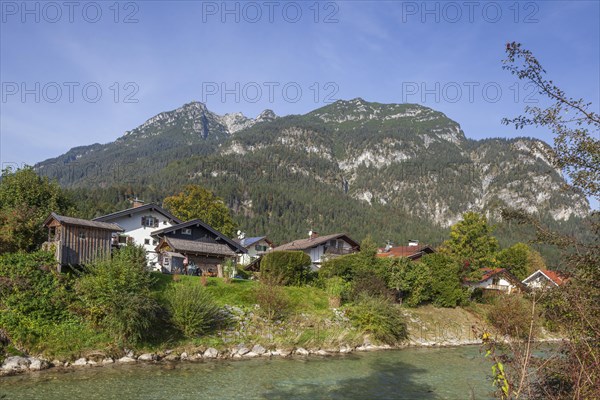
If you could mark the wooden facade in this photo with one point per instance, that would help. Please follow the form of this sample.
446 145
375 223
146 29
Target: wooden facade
77 241
180 256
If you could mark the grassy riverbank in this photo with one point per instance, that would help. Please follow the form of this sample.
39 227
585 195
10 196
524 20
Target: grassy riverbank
96 314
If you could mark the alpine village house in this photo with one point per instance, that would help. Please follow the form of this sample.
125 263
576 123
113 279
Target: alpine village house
172 246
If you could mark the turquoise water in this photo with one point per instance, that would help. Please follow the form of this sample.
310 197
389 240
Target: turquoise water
444 373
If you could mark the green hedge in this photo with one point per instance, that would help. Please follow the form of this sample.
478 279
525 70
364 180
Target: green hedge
286 267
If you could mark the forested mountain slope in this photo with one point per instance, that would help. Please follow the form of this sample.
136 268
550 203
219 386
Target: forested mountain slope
396 171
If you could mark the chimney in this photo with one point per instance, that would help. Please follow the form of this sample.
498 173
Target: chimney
312 234
137 202
413 242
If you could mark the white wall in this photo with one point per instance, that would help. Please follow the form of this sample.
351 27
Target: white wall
245 259
539 281
133 228
489 282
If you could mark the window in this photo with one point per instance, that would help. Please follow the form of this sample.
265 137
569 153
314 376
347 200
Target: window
81 235
146 241
150 221
122 239
155 242
258 247
52 234
186 231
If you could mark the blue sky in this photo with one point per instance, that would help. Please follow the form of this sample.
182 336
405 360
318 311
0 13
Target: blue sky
159 54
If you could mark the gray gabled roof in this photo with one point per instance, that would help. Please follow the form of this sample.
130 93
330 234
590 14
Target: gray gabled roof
83 222
249 241
145 207
199 222
303 244
198 247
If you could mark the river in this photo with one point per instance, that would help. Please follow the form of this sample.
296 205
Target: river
415 373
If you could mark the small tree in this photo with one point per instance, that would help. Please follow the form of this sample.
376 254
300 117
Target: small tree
26 200
471 242
196 202
520 260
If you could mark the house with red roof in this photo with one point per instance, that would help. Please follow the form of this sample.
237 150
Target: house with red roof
413 251
496 279
544 278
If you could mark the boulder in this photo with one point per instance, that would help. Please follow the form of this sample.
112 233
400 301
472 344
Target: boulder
148 357
241 350
81 362
38 364
16 363
126 360
57 363
322 353
172 357
301 351
108 361
258 349
184 356
211 353
345 349
250 354
282 352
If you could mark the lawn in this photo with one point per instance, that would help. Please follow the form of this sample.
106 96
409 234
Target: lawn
241 292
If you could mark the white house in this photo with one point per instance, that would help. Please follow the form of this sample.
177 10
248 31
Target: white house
319 248
256 247
138 224
543 278
497 279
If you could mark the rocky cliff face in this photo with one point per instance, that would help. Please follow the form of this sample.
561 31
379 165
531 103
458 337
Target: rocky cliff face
404 159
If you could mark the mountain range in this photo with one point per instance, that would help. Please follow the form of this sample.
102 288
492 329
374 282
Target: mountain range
395 171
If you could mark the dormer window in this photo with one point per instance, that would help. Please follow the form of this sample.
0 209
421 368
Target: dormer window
186 231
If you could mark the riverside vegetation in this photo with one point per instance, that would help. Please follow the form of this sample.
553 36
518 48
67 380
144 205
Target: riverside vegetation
115 309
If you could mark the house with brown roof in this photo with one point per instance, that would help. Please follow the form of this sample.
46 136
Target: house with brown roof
413 251
496 279
194 247
77 241
319 248
545 278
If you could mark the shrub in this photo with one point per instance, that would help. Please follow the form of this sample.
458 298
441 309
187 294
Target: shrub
378 317
33 297
435 279
511 315
242 274
272 299
342 266
192 309
367 283
291 267
115 294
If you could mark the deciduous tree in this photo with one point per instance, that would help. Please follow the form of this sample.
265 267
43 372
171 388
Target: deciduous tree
196 202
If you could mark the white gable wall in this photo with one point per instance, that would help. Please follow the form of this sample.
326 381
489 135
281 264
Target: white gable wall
132 223
500 284
245 259
539 281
